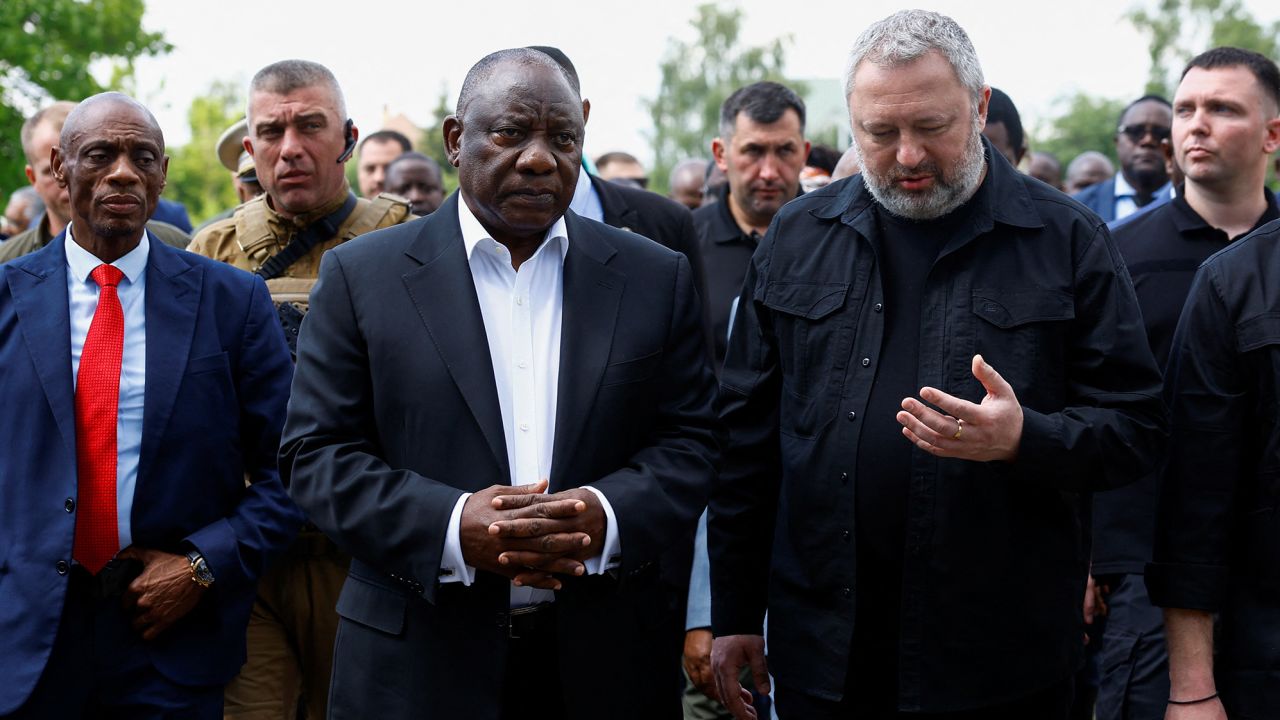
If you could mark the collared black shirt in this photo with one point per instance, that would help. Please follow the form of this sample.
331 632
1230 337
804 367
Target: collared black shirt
726 252
1163 249
995 554
1217 545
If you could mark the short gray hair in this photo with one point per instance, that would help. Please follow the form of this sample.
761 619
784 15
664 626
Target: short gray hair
908 35
285 76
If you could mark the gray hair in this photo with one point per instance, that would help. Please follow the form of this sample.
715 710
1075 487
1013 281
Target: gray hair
908 35
285 76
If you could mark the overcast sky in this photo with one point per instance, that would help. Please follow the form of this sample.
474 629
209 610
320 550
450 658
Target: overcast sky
398 53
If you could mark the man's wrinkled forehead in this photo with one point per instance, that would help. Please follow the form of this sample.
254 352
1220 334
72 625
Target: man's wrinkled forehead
515 86
85 123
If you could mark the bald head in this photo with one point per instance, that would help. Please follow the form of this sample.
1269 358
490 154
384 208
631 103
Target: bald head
91 111
478 78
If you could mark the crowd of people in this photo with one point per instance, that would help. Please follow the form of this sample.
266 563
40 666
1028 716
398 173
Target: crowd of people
902 432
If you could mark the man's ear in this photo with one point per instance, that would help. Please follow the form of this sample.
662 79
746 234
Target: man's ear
248 145
983 104
717 153
55 166
586 110
452 139
31 175
1272 141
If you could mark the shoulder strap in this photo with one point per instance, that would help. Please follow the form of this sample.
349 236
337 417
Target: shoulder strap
305 239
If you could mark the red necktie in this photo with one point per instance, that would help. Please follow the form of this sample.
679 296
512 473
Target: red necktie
97 399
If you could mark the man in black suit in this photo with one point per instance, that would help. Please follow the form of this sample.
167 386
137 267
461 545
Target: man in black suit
448 370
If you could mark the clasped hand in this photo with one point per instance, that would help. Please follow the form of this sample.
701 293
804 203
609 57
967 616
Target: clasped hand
530 537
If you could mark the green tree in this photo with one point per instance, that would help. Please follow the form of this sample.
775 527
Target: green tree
47 48
1088 123
196 177
1177 30
697 77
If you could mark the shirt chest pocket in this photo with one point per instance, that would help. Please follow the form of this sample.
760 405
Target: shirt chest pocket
1023 333
814 331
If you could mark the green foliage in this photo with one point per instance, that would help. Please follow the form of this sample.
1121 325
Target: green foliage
431 143
1088 123
696 78
47 49
196 177
1177 30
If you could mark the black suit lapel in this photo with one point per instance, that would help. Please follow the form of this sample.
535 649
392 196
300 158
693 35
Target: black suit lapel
445 295
40 300
617 212
172 299
592 295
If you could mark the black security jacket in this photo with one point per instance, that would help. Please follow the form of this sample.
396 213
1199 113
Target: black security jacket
1217 545
996 554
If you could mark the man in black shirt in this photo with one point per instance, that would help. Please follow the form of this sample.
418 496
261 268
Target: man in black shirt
932 365
1223 199
762 150
1217 537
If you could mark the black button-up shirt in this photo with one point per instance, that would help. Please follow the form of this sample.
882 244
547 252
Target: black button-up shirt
1217 545
995 554
1162 248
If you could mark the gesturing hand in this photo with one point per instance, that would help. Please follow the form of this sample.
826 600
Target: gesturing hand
162 594
987 431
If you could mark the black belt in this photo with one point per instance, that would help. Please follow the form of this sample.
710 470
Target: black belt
530 623
110 582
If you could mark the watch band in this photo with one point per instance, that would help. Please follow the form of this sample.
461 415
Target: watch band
200 572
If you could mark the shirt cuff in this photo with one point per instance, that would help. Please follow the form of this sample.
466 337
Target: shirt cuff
453 568
611 557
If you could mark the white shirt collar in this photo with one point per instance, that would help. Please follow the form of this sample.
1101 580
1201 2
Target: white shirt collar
1123 188
473 233
81 262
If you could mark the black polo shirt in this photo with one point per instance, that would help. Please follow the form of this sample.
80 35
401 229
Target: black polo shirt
726 251
1162 248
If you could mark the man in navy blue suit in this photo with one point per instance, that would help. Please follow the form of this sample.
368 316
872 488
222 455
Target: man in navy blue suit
143 386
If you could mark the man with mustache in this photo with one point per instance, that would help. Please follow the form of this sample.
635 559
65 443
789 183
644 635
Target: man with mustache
1212 510
761 149
300 139
454 369
145 388
933 364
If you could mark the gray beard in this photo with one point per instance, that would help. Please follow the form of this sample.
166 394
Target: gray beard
952 187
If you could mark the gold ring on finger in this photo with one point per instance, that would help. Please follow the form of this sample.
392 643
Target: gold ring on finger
959 429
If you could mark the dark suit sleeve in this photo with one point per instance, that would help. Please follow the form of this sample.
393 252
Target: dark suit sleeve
1113 429
1210 406
661 491
740 519
391 518
239 547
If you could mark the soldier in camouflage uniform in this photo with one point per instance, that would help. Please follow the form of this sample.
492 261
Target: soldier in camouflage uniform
300 140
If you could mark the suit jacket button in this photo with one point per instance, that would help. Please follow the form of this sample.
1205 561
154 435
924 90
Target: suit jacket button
69 505
62 567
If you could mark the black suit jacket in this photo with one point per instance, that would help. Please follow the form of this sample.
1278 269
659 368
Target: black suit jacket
394 415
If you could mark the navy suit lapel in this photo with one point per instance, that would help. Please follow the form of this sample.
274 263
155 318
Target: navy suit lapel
445 295
40 299
592 296
172 300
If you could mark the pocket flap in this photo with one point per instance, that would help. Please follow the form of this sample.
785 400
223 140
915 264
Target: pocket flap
634 370
1258 331
372 605
208 363
1006 308
807 300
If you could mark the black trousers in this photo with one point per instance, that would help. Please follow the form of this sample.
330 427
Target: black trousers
1049 704
531 689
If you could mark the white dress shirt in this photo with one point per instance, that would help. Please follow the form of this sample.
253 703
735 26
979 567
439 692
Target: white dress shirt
82 300
586 201
1126 204
522 311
